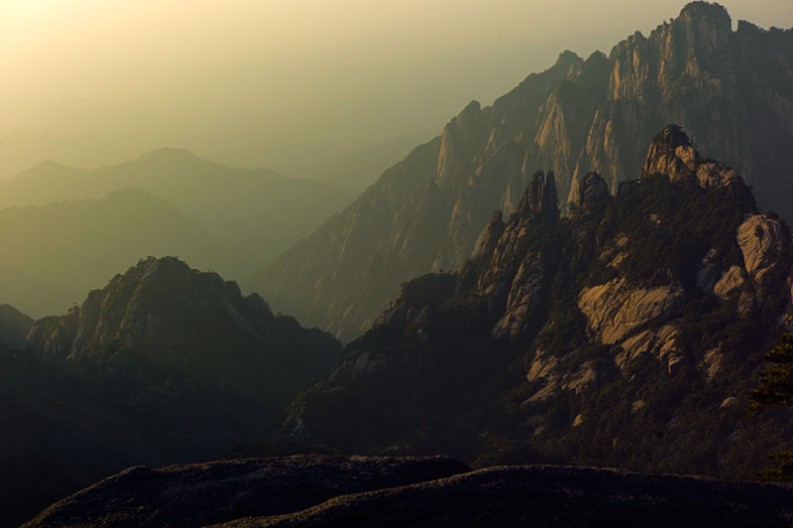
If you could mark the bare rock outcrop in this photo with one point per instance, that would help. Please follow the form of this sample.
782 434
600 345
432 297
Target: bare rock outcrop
615 309
763 240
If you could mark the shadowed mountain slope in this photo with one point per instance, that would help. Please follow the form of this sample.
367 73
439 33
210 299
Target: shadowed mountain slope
163 365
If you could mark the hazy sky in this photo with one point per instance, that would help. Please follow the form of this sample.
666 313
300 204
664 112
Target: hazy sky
216 75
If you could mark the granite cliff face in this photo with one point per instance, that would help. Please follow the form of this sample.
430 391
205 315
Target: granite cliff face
627 334
731 90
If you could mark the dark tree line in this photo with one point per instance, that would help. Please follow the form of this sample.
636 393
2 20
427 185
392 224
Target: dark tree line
776 388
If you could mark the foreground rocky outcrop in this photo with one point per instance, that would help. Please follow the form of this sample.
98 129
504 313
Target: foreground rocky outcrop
373 491
201 494
548 496
629 334
731 90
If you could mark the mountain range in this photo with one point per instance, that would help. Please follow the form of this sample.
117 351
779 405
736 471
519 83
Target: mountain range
564 279
21 149
54 253
353 168
250 209
629 334
730 90
164 364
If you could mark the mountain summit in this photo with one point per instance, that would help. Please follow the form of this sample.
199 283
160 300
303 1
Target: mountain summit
730 90
162 318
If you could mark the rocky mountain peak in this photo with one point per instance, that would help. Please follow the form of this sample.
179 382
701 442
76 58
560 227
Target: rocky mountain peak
709 12
161 316
670 153
459 137
540 198
591 193
568 58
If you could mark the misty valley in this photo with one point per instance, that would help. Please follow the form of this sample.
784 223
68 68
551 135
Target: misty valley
571 307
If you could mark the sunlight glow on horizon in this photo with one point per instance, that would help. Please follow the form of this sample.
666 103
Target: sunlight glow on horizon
179 71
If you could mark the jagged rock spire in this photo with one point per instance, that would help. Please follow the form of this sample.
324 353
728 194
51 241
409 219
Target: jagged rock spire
591 193
670 153
540 198
489 236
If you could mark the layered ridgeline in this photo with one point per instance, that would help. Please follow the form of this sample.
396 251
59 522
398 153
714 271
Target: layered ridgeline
629 334
731 90
165 364
259 212
54 253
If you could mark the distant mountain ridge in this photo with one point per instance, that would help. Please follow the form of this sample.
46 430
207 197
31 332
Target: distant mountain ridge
54 253
730 90
258 211
21 149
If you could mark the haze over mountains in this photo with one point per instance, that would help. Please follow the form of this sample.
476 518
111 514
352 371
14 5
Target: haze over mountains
594 271
55 253
250 208
629 334
338 165
67 230
730 90
22 149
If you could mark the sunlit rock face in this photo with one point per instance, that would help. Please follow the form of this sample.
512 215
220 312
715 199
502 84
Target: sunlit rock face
731 91
629 331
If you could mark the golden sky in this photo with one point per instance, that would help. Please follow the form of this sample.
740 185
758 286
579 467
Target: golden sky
198 73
